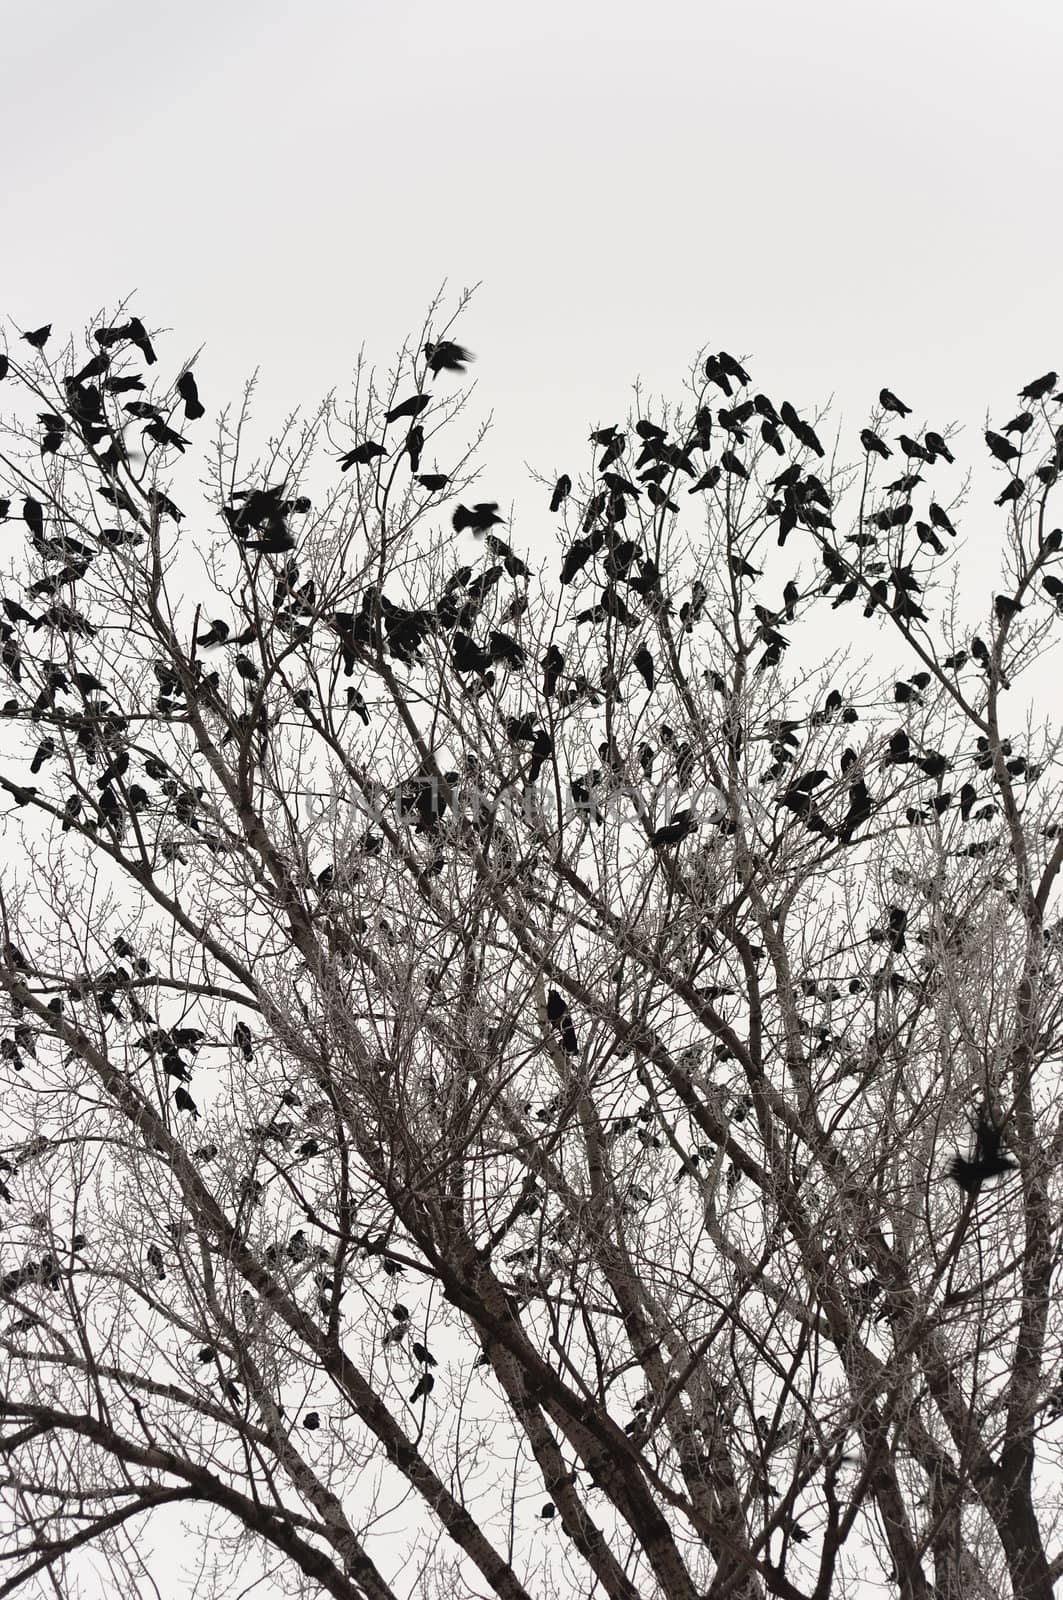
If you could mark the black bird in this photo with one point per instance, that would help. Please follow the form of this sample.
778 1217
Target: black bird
420 1353
643 661
1020 424
1000 447
561 1017
216 634
940 518
673 832
44 752
242 1040
1039 387
1011 491
38 337
912 449
986 1160
484 515
186 388
361 455
408 408
446 356
562 490
433 481
156 1262
889 402
936 446
311 1421
1005 607
33 515
184 1102
872 442
425 1385
137 334
553 664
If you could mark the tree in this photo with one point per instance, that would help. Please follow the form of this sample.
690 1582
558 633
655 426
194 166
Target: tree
526 1080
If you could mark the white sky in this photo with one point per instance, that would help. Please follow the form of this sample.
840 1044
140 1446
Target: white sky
851 194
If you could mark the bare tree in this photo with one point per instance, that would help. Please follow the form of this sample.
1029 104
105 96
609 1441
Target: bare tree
525 1081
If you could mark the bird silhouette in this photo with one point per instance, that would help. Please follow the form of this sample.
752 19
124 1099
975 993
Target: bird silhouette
986 1160
1039 387
186 388
446 356
561 1017
889 402
38 337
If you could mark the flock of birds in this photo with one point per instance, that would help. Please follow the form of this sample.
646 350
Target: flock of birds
103 398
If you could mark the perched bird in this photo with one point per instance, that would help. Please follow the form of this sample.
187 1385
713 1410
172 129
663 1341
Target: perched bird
1000 447
553 664
33 515
889 402
1010 493
408 408
184 1102
1039 387
561 1017
673 832
433 481
643 662
940 518
422 1354
425 1384
872 443
936 446
186 388
1006 607
38 337
242 1040
986 1160
361 455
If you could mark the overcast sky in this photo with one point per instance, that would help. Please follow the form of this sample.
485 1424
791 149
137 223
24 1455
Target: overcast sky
847 194
850 194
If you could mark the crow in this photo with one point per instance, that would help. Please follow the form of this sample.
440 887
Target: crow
33 515
940 518
1000 447
936 446
446 356
408 408
673 832
137 334
643 662
361 455
184 1102
1039 387
889 402
561 1017
872 442
38 337
186 388
986 1160
553 664
425 1385
483 515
